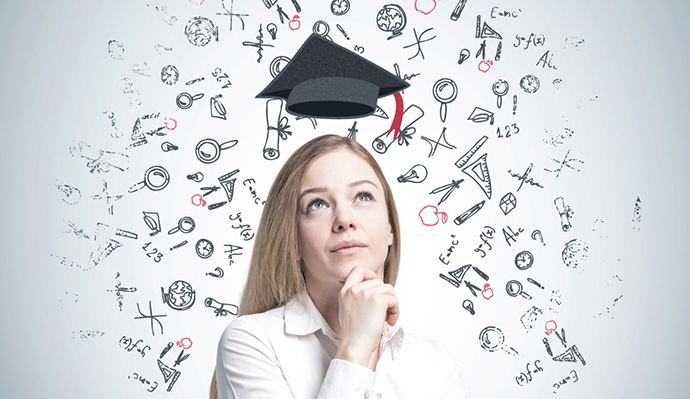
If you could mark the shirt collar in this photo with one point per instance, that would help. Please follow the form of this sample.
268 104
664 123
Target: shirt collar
303 319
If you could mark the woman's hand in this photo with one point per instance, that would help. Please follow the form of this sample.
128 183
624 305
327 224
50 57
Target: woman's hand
365 302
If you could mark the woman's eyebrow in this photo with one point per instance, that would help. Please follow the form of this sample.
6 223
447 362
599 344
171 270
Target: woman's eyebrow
360 182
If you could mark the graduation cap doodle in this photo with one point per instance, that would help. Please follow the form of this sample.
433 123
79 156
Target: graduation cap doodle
325 80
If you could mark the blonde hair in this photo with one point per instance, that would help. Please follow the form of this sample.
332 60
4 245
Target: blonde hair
276 273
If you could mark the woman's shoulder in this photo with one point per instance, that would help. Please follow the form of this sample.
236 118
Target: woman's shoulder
420 345
257 324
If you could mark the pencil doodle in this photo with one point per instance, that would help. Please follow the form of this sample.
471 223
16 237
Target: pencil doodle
457 11
545 60
463 217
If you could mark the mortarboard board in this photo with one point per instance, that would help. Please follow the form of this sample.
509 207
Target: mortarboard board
325 80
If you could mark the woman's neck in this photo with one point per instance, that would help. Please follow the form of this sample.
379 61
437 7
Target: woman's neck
326 301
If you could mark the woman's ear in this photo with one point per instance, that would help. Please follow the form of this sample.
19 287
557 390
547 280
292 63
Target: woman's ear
390 235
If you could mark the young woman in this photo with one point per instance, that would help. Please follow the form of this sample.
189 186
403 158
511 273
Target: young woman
318 312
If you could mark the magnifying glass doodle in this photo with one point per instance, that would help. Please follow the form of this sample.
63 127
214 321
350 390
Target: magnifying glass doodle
156 178
500 89
514 288
491 339
208 150
185 225
321 28
441 94
185 100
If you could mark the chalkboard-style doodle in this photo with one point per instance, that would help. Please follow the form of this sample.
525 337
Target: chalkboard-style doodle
180 295
574 252
217 107
70 195
227 181
276 128
479 172
416 174
259 44
230 13
119 290
497 57
208 150
129 345
530 317
508 203
186 225
434 144
484 66
352 132
535 283
156 178
412 114
637 212
524 260
221 309
510 234
217 273
480 115
167 146
514 288
448 188
325 80
153 222
456 276
545 60
550 327
523 379
340 7
565 162
200 31
491 339
182 244
536 235
485 31
469 306
100 161
116 50
204 248
500 89
170 75
196 177
564 212
457 11
530 84
418 42
153 254
464 55
322 29
151 317
559 138
487 292
430 216
186 100
391 19
445 91
278 64
468 213
523 178
169 374
272 30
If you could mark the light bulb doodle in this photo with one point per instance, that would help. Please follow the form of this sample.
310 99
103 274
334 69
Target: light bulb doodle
416 174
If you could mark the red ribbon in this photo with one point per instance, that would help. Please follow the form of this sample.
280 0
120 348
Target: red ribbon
397 119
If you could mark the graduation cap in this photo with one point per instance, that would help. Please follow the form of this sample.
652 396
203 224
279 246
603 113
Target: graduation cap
325 80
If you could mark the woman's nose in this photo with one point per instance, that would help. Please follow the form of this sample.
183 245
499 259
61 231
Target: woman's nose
343 220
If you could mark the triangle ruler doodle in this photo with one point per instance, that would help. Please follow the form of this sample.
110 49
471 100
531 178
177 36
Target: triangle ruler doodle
486 32
169 373
457 275
479 172
570 356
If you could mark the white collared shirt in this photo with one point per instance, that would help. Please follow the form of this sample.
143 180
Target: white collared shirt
288 352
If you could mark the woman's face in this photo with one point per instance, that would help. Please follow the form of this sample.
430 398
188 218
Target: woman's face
343 219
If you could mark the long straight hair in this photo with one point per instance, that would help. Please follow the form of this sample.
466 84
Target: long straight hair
276 273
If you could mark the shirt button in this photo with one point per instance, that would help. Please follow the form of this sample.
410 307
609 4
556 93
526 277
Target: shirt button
366 395
379 396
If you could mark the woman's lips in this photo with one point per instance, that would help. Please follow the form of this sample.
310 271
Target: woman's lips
348 247
348 250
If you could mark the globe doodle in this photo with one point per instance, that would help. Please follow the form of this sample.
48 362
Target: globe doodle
391 18
200 31
180 295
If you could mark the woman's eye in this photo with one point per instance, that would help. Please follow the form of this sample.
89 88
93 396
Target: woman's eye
365 197
316 204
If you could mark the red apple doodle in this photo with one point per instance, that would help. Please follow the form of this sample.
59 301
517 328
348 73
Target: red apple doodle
487 65
487 292
182 344
424 5
295 21
550 327
429 215
200 199
167 122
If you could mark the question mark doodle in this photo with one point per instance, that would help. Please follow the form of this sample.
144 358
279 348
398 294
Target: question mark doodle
537 233
218 273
